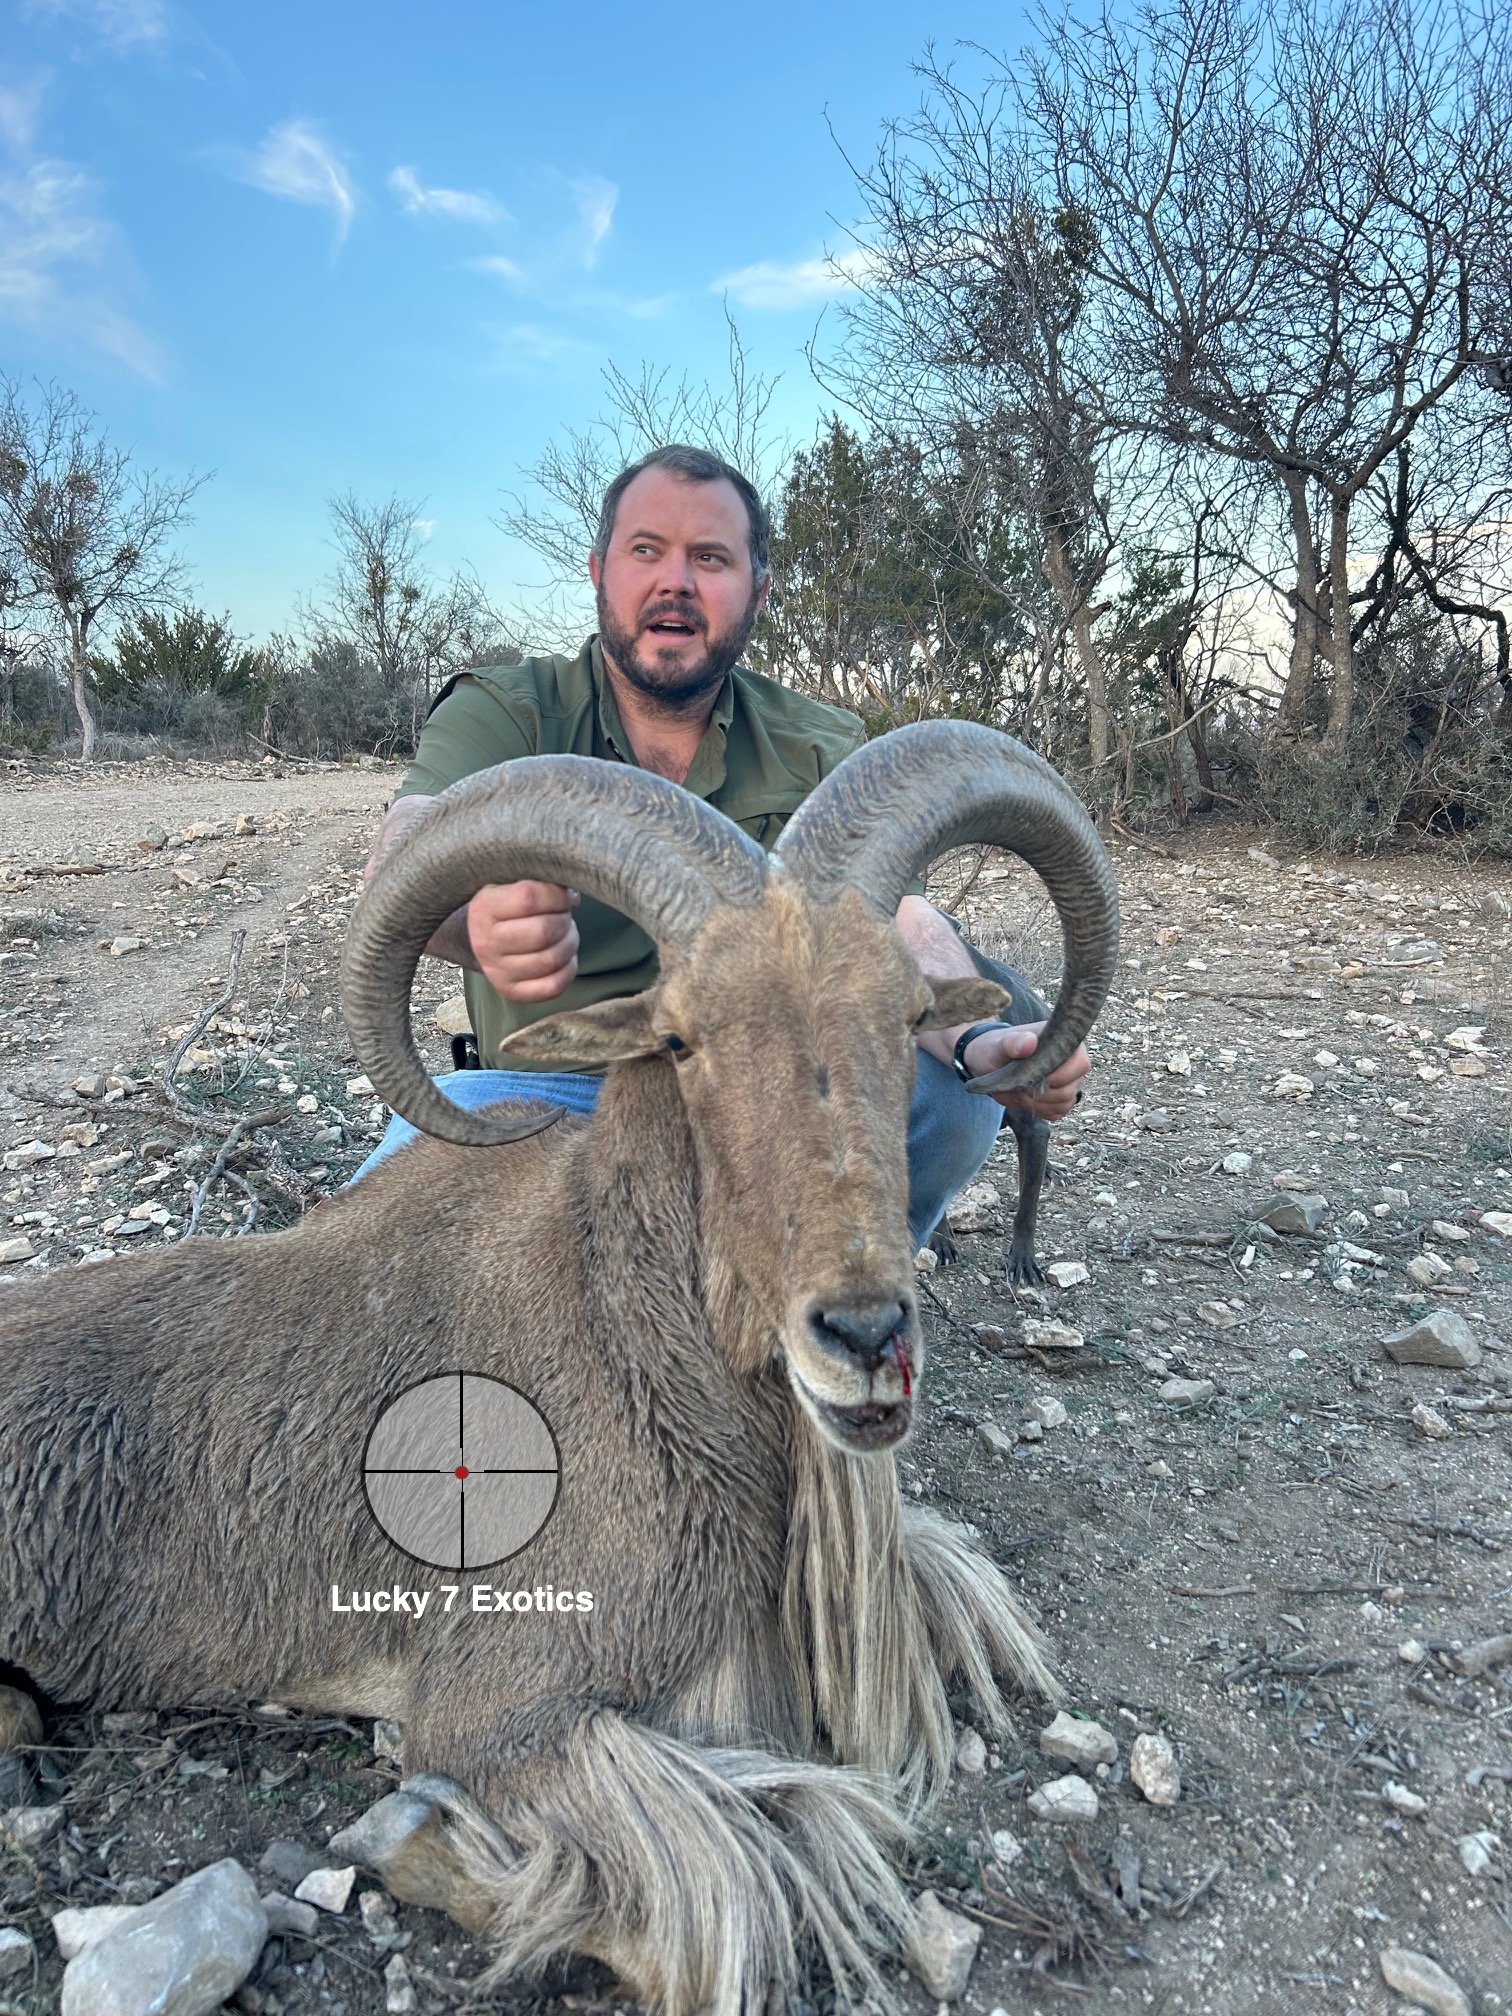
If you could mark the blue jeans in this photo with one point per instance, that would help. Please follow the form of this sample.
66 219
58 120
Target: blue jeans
951 1131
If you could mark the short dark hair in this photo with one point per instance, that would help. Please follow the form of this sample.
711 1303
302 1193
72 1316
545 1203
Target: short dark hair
694 465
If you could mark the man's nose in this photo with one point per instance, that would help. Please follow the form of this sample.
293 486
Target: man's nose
675 575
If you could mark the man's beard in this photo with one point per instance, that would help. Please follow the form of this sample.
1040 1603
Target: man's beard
675 689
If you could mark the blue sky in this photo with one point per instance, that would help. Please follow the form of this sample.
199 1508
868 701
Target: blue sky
387 248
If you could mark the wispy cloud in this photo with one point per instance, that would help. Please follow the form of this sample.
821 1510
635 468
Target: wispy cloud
525 346
500 267
595 200
463 206
20 111
63 267
296 163
798 283
124 24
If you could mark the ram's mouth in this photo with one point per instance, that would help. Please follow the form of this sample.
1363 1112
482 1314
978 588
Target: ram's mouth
875 1424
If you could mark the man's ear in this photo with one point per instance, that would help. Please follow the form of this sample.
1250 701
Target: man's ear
602 1034
955 1001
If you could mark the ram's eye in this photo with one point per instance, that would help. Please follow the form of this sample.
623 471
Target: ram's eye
675 1047
923 1016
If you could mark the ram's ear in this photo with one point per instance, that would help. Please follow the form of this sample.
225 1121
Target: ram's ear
603 1034
958 1001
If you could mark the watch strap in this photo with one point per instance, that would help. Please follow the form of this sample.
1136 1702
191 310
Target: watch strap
968 1036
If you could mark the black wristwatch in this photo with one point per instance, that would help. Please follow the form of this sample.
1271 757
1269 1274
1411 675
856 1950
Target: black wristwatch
958 1059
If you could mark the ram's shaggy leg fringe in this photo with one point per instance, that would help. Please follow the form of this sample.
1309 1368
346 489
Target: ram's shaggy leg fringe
696 1874
976 1627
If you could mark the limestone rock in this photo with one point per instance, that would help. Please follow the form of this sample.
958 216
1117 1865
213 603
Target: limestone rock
1006 1847
1498 1221
16 1952
1428 1268
1067 1273
398 1989
1152 1766
1065 1799
1237 1163
1478 1851
1048 1412
1401 1799
289 1862
994 1437
285 1915
1085 1744
329 1888
80 1926
1042 1335
973 1209
30 1827
942 1949
989 1336
1292 1085
971 1754
1444 1338
1294 1211
388 1742
1186 1392
180 1955
1428 1421
1424 1981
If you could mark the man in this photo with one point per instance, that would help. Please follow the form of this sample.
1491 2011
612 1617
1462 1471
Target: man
680 570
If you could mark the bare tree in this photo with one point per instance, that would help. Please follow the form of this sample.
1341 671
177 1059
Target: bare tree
640 413
1301 218
414 630
971 335
83 533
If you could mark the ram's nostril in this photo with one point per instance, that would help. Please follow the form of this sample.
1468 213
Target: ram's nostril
862 1329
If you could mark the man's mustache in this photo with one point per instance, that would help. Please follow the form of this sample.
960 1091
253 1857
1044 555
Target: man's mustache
680 613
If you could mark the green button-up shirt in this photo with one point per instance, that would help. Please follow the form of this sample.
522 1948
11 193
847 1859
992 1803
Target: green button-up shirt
764 750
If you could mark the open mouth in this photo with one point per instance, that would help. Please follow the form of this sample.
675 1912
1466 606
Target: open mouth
875 1424
672 626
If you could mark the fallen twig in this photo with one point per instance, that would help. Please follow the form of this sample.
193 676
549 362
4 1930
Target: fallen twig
1200 1889
202 1022
218 1169
1235 1589
1193 1238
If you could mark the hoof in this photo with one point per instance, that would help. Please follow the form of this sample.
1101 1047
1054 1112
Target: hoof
1024 1271
404 1841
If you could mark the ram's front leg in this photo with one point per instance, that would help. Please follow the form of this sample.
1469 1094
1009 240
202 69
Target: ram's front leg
694 1874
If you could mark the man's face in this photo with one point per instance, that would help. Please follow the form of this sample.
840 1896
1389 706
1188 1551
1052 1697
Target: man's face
676 602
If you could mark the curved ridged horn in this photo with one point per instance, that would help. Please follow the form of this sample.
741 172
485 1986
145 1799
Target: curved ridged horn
643 845
883 815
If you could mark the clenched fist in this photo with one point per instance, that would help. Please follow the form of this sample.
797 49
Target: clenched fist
524 939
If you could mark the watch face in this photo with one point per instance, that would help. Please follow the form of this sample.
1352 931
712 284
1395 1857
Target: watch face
461 1471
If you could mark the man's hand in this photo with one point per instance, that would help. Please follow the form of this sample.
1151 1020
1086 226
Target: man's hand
519 935
1003 1046
524 938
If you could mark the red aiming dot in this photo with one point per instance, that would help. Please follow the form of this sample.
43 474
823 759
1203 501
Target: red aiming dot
461 1470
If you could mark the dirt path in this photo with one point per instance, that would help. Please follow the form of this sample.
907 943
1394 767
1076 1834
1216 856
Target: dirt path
1235 1565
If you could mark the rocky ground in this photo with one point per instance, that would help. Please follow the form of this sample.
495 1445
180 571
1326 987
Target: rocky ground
1257 1542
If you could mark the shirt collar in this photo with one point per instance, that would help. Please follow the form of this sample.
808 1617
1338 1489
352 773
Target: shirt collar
708 768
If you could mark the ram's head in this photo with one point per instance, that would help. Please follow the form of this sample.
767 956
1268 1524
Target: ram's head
785 1009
